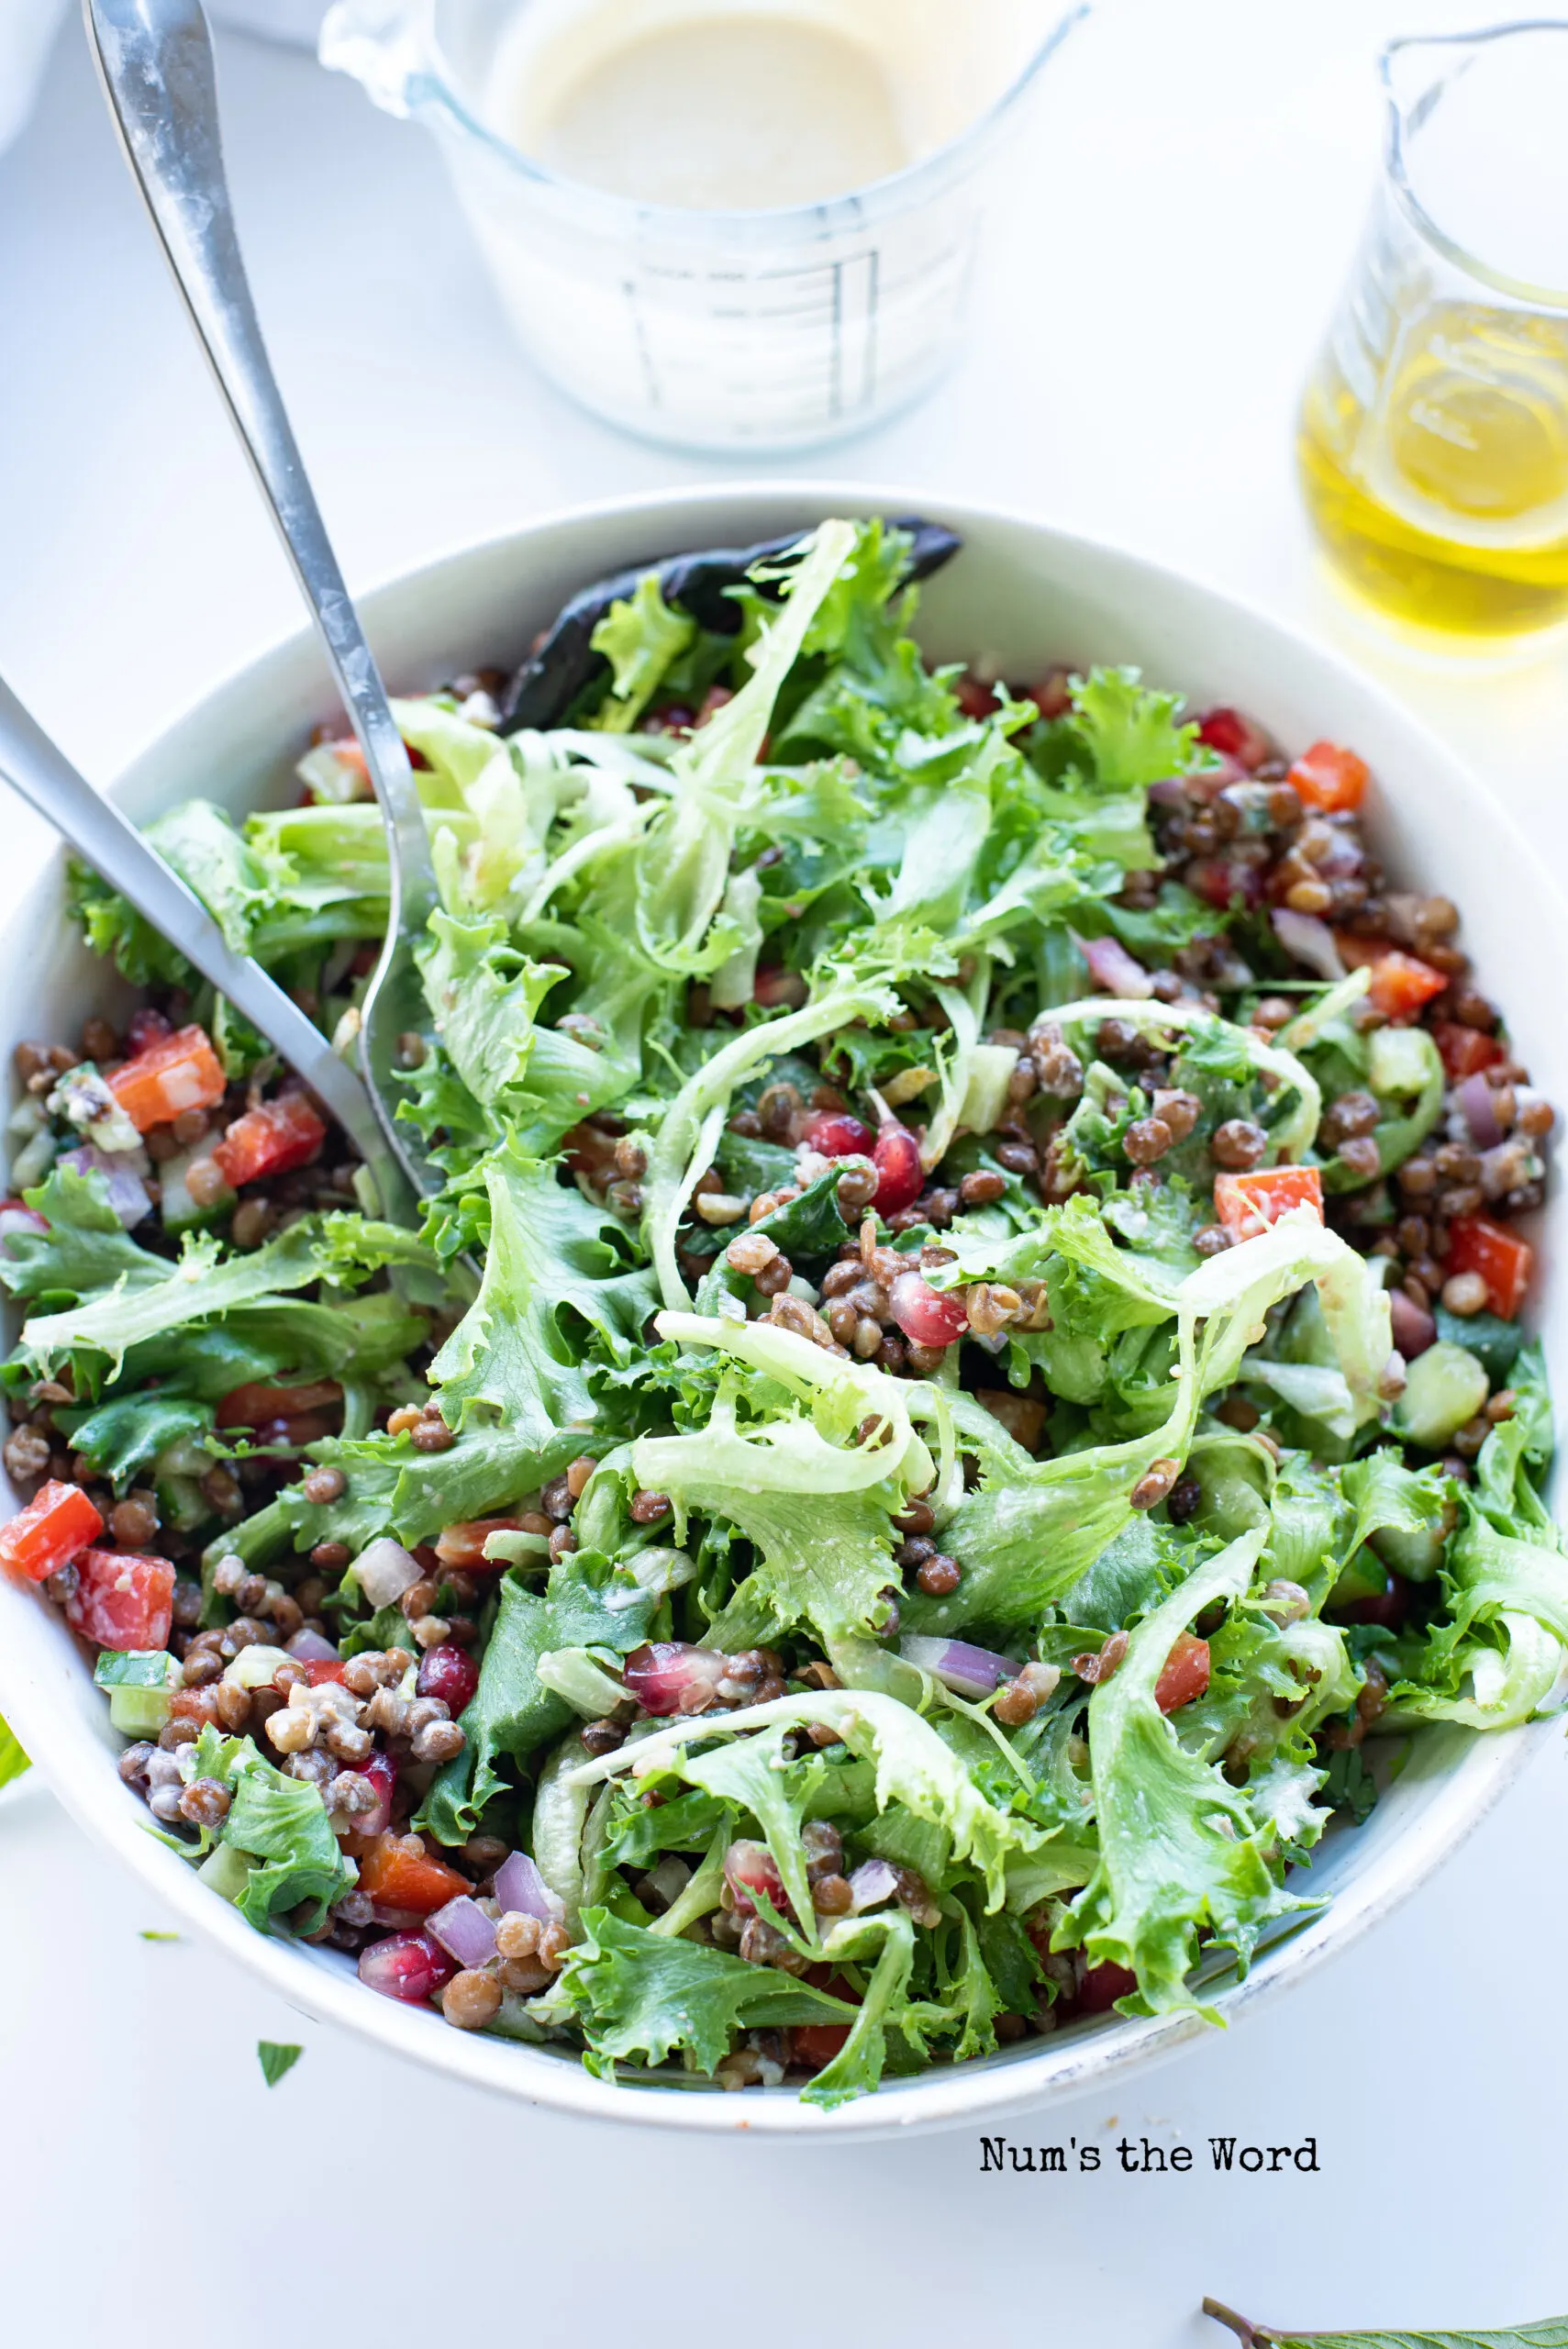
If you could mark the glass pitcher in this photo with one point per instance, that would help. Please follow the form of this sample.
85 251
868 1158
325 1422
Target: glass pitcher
1433 443
754 330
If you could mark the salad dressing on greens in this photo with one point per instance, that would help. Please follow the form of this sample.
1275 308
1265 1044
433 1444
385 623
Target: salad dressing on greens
994 1363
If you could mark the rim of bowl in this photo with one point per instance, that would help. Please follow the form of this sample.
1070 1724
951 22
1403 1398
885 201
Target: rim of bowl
1481 1768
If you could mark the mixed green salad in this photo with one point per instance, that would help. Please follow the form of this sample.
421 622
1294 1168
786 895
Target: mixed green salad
966 1353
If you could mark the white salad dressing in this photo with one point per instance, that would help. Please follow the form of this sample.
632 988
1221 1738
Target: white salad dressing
723 112
737 104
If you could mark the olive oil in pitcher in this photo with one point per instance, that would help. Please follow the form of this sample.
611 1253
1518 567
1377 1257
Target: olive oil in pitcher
1433 437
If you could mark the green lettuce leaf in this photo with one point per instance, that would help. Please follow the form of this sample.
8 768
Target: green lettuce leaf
639 1996
1180 1848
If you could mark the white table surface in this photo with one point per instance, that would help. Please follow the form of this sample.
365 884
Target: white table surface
1179 223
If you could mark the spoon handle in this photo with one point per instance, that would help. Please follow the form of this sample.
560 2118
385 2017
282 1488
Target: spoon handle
37 768
154 58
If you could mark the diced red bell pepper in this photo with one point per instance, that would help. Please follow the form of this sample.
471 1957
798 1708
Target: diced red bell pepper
253 1406
1331 779
1248 1204
1465 1052
1234 737
816 2044
1402 984
1184 1676
273 1139
813 2045
176 1073
1505 1262
398 1873
122 1599
317 1668
58 1521
462 1547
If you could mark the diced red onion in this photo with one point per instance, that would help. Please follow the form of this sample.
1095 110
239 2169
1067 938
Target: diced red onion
663 1672
1171 791
127 1193
1309 941
385 1571
968 1671
931 1317
873 1882
1113 969
751 1868
309 1647
464 1929
1414 1328
1476 1099
520 1887
21 1219
381 1771
410 1967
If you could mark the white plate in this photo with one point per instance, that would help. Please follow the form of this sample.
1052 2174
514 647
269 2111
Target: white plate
1027 595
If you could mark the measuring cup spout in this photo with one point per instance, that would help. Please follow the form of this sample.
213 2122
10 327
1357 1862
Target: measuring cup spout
383 44
1417 69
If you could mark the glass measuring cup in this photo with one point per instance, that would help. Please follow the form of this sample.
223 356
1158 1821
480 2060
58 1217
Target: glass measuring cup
732 330
1433 443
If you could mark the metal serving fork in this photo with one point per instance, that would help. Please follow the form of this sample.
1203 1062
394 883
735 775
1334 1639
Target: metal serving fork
155 61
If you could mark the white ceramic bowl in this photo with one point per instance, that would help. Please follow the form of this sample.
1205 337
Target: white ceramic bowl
1028 596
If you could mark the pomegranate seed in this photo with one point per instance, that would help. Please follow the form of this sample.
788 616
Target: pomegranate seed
925 1314
1101 1987
450 1672
749 1868
381 1771
659 1674
899 1174
147 1026
1236 737
838 1135
410 1967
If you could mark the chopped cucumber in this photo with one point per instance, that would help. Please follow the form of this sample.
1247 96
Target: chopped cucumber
139 1712
1494 1341
227 1871
1398 1061
179 1210
139 1681
1444 1387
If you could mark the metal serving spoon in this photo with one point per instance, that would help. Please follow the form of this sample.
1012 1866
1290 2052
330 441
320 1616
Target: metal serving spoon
45 778
155 61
